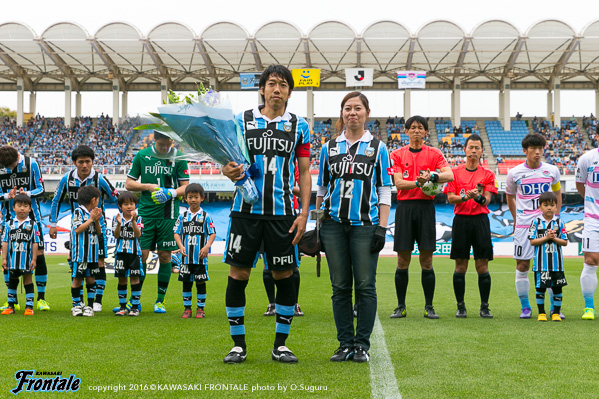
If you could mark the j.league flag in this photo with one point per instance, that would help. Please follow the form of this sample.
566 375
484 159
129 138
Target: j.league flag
359 76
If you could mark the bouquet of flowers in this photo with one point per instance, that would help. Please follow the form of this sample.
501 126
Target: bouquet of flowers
205 124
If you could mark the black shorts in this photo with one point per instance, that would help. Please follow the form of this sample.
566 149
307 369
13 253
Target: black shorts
550 279
85 269
471 231
193 272
246 235
16 273
415 221
127 265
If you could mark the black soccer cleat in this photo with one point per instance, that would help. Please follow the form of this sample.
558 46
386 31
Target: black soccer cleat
399 312
283 354
461 313
297 311
429 313
270 310
236 355
485 313
361 355
342 354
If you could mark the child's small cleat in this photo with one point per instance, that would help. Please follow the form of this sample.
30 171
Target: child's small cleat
186 314
589 314
159 308
134 312
28 312
556 317
97 307
121 312
542 317
43 305
77 311
298 311
200 314
235 355
8 310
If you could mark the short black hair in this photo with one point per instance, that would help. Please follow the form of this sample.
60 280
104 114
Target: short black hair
21 199
474 137
86 194
82 151
127 196
279 71
533 140
194 188
8 156
160 136
547 197
416 118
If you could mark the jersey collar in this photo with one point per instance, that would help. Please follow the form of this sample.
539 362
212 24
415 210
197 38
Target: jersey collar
19 224
196 213
366 137
257 114
91 175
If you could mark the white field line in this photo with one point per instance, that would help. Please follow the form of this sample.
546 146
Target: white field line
382 373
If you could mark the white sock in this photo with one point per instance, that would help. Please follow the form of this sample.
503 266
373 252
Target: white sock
522 285
588 281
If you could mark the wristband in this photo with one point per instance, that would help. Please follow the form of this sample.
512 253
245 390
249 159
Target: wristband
417 185
464 199
434 177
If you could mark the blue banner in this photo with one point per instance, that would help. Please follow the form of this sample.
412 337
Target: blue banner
249 81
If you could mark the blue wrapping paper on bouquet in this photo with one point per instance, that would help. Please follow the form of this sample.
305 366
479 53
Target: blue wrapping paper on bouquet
208 127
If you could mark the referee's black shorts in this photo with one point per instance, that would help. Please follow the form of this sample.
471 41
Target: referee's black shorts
471 231
415 221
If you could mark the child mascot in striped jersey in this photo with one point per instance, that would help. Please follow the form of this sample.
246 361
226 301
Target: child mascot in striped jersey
548 235
194 233
19 248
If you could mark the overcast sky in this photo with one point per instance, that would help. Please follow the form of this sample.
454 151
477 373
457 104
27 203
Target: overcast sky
305 14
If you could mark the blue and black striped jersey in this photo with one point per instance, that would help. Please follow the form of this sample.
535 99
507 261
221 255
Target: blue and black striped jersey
548 256
272 147
87 245
194 230
352 175
27 176
127 243
20 236
69 187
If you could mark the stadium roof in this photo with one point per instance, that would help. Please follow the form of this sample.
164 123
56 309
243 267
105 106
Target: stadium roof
174 53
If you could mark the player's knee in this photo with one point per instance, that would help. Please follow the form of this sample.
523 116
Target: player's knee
591 258
461 266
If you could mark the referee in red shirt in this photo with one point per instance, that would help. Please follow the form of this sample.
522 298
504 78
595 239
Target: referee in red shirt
415 213
470 192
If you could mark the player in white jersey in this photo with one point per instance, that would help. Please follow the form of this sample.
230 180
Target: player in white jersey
587 184
525 183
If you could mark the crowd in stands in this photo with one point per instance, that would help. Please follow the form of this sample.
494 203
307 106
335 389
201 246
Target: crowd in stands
17 137
564 144
591 125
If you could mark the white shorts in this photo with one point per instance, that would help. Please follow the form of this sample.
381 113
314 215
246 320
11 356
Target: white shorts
522 248
590 238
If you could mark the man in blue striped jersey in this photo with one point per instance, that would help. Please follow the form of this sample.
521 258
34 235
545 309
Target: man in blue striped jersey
194 234
20 243
84 174
20 174
275 138
87 229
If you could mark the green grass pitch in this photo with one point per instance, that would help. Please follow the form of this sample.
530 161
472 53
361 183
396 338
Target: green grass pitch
447 358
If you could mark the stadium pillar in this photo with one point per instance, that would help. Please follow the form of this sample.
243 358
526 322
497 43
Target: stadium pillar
310 110
163 88
407 103
20 93
505 99
456 118
557 103
67 102
124 105
549 105
115 102
500 104
596 102
32 103
78 104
